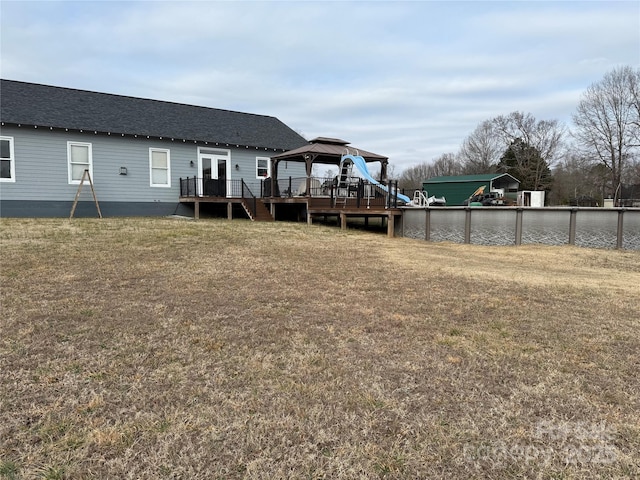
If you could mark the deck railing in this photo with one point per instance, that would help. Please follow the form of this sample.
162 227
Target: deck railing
188 187
250 199
211 187
359 194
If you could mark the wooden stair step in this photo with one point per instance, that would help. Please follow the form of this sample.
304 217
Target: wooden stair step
262 213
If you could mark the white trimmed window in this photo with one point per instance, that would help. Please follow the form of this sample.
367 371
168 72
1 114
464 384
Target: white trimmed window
263 167
7 160
159 167
80 159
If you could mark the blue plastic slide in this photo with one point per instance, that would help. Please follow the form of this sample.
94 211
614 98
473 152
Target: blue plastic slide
361 165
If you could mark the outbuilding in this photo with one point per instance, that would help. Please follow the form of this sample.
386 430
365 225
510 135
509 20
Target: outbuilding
458 188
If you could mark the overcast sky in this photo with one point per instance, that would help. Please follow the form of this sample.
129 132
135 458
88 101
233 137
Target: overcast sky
408 80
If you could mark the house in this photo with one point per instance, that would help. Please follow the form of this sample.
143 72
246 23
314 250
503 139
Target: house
457 189
136 151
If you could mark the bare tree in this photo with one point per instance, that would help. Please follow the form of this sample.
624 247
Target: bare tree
634 89
484 147
375 172
481 150
569 179
446 165
391 172
412 177
632 173
607 122
544 137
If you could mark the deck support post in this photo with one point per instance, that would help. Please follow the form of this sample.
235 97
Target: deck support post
196 210
229 211
309 219
343 221
390 224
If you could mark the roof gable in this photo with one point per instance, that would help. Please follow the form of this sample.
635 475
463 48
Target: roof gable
488 177
57 107
329 141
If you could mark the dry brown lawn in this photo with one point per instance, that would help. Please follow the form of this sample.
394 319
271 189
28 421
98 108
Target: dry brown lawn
167 348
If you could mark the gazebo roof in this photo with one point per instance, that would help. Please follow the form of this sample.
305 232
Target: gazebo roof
327 150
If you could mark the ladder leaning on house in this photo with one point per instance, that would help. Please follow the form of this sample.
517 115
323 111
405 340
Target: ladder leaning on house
85 174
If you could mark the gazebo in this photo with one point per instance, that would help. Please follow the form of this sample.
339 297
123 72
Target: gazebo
315 201
327 151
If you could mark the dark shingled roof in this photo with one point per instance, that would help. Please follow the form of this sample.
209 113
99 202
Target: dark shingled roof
25 103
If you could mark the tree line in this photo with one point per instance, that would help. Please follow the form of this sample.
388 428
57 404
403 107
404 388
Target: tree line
599 157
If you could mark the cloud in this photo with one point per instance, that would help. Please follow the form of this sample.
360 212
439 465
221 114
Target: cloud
409 80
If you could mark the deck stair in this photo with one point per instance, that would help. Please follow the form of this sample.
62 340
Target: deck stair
262 213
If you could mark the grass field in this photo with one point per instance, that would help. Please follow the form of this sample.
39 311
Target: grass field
167 348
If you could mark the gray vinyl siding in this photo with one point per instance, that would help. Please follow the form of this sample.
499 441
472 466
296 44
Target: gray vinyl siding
41 166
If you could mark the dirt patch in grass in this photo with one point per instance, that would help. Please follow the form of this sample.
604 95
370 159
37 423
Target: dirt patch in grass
164 348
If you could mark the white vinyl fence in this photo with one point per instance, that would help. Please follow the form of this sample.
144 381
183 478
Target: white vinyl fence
584 227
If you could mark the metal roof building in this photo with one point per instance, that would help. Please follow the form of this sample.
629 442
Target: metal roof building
456 189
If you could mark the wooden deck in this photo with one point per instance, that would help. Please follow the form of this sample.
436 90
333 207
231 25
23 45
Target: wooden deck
259 214
318 207
313 207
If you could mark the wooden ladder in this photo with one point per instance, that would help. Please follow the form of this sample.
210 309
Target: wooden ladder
85 174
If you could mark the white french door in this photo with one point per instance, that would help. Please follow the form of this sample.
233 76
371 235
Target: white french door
213 175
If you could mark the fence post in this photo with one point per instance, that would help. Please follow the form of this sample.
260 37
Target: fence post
519 214
572 226
467 225
620 233
427 224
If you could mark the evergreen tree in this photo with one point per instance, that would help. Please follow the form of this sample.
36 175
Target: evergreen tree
525 163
